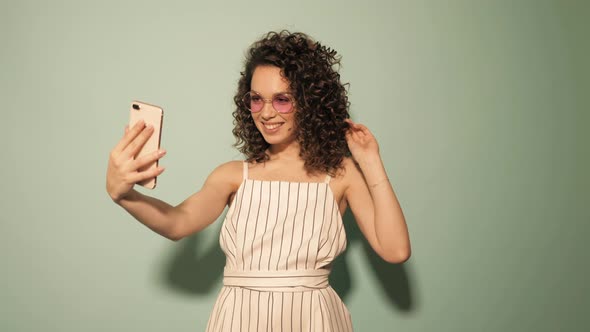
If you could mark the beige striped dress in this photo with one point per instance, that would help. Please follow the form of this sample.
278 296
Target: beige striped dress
280 239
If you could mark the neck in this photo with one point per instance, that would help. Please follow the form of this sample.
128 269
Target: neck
288 151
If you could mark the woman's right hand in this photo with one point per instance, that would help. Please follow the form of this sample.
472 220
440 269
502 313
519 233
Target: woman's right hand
122 171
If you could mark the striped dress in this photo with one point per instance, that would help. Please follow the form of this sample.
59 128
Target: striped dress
280 239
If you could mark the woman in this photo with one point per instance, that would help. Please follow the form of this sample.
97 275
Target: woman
284 226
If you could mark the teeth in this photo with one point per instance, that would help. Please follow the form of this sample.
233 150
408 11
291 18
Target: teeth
272 125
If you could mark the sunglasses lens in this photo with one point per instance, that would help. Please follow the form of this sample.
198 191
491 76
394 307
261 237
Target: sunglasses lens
282 103
254 102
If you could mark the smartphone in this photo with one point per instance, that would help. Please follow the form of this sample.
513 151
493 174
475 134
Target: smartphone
151 115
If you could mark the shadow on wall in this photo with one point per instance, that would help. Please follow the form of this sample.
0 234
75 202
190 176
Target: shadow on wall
192 272
393 278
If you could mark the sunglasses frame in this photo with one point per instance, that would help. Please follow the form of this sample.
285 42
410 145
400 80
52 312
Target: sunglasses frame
271 101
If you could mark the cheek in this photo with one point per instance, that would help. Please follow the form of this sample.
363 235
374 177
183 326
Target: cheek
292 126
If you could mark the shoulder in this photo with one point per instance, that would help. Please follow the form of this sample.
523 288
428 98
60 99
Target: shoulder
229 168
227 174
345 178
350 169
350 175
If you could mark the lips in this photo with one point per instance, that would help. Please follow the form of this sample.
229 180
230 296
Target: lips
272 126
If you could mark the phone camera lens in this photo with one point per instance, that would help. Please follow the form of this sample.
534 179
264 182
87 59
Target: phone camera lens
136 107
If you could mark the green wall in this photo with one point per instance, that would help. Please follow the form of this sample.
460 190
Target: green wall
480 108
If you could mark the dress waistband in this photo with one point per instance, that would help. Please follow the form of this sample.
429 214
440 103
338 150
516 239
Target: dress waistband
283 281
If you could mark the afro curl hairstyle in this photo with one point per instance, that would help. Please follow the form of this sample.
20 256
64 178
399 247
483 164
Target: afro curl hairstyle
321 100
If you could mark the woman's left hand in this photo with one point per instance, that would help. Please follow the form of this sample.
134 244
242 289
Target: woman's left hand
361 143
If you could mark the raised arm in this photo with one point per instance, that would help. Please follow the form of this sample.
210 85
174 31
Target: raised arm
172 222
372 198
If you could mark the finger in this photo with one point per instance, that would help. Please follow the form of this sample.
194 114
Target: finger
358 136
348 136
133 148
352 129
351 124
147 174
148 159
359 126
368 134
351 132
364 128
364 131
358 129
130 134
126 131
352 137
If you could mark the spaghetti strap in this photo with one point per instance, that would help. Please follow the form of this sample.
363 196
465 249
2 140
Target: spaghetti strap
328 178
245 170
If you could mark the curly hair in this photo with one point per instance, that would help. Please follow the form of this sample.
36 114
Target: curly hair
321 100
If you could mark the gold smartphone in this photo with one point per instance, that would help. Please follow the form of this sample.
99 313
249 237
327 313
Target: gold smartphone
152 115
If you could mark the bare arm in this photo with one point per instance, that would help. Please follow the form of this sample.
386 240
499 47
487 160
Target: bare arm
373 200
191 216
172 222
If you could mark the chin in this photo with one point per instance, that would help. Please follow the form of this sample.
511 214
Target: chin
278 140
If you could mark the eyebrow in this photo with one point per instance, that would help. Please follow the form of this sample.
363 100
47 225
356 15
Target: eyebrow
274 94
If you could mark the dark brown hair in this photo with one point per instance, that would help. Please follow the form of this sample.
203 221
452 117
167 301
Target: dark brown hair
321 100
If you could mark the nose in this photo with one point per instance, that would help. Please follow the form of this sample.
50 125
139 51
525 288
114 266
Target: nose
268 111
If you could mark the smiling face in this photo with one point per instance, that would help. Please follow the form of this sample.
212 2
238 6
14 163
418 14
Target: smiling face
278 129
